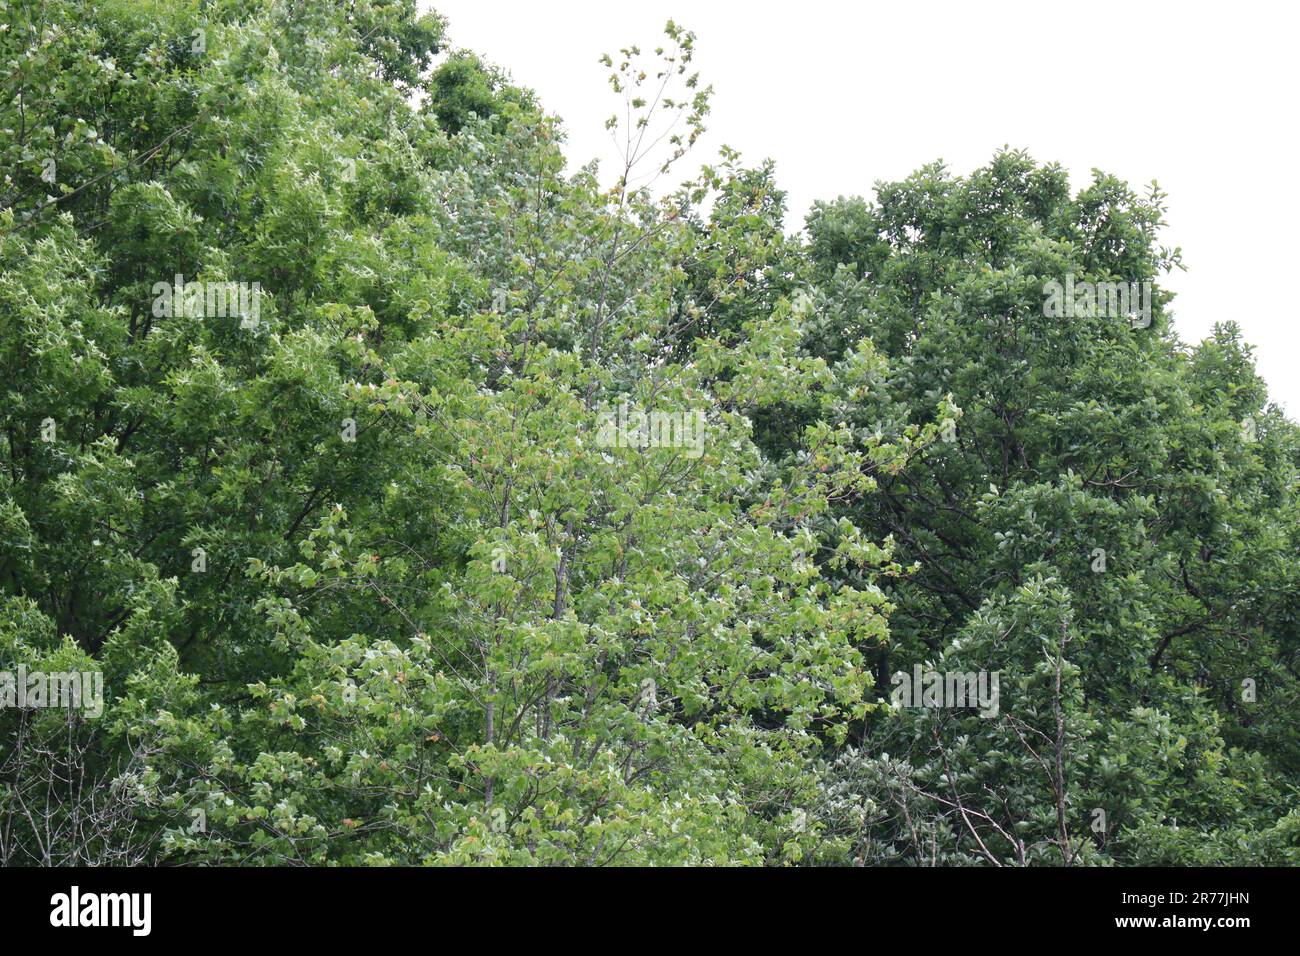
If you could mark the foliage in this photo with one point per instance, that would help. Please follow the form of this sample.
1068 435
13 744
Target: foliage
368 582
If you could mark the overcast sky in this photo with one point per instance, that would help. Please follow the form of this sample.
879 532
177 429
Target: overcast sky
1201 97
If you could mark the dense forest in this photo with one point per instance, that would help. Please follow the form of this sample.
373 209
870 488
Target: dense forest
421 499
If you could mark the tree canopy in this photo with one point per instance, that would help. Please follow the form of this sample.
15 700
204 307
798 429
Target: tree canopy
312 344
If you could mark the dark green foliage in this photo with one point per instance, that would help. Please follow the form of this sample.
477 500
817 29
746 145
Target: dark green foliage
1076 434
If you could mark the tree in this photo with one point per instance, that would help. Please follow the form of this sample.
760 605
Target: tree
1109 527
360 559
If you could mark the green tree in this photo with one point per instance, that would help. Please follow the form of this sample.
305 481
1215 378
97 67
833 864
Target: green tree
366 577
1110 527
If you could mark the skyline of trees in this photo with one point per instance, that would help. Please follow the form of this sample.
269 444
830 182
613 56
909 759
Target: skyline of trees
368 581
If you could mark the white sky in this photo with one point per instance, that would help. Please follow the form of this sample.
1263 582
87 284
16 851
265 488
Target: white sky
1199 96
